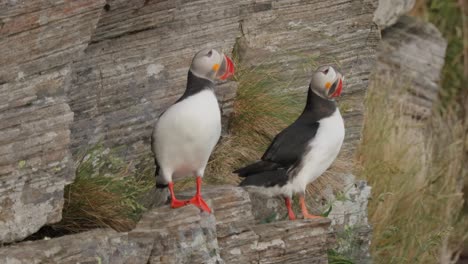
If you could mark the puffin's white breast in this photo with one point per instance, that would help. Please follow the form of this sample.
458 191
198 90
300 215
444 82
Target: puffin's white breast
186 134
323 150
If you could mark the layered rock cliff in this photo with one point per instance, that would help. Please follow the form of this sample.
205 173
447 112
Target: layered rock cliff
412 54
39 41
77 73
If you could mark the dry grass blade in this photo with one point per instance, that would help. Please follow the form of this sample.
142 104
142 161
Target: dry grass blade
417 201
105 194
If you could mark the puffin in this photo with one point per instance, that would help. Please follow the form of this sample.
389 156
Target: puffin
186 133
304 150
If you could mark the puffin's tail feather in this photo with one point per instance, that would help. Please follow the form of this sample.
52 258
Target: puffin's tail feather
257 167
266 179
160 183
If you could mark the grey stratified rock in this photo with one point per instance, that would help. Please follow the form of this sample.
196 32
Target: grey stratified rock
180 236
185 235
411 56
38 42
233 209
99 246
349 219
243 238
389 11
348 214
301 241
137 61
136 65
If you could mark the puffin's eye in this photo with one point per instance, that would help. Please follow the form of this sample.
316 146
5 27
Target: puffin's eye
209 53
326 71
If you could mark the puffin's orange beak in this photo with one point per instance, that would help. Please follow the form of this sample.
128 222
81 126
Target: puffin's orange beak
228 68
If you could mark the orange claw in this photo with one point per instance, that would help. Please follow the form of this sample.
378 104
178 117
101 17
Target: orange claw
197 200
305 213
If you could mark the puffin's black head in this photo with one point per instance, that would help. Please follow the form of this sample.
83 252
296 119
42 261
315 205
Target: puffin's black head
327 82
211 64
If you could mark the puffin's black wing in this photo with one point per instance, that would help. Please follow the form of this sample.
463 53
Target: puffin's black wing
257 167
267 178
285 150
289 145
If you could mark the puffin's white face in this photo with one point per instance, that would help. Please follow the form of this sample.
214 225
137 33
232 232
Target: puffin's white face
327 82
211 64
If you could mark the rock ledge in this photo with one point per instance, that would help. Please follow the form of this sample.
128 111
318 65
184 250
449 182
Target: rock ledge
164 235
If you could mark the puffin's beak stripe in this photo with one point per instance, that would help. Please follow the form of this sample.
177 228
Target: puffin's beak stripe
338 88
333 87
229 70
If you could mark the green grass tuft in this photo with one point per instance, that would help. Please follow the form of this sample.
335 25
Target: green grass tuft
105 193
336 258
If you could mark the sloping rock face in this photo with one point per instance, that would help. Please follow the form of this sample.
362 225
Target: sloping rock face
412 54
184 235
38 40
389 11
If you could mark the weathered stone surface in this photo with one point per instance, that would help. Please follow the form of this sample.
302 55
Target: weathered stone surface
180 236
146 59
301 241
233 209
349 218
38 42
136 66
137 61
163 235
348 214
411 55
389 11
185 235
100 246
